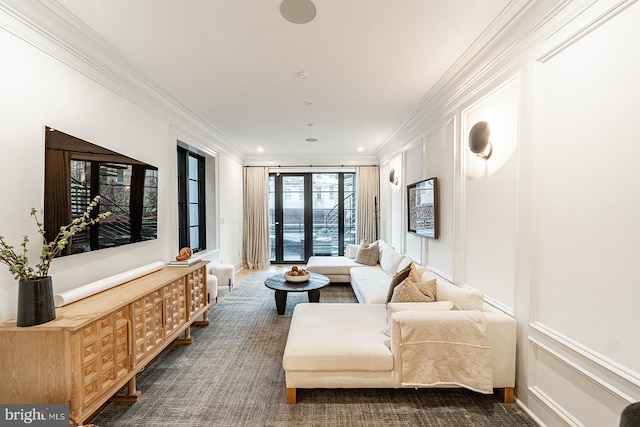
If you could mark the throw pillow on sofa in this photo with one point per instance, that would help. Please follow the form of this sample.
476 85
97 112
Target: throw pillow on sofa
397 279
368 255
389 259
410 291
352 251
414 288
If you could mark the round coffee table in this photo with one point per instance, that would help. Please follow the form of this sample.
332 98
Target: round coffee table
312 286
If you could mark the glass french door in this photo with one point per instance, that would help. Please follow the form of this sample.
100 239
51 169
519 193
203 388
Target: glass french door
287 217
310 214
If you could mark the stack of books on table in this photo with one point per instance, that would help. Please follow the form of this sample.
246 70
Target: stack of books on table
185 263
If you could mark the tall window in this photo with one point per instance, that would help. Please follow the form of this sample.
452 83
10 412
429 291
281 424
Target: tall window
191 200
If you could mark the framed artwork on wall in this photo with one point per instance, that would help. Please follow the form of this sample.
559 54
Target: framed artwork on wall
422 199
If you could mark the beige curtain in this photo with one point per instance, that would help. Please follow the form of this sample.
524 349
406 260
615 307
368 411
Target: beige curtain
256 217
368 193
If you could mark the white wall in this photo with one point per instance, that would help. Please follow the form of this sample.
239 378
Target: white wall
487 184
231 211
440 153
548 227
38 90
413 171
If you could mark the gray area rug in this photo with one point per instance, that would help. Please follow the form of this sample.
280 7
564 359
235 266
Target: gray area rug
231 375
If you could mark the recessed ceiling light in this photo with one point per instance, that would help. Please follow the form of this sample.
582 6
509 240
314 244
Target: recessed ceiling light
360 148
311 139
260 149
308 103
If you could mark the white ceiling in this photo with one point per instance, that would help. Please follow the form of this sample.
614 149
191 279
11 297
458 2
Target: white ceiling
236 64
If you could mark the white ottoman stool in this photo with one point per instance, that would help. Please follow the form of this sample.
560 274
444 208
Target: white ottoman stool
225 274
212 288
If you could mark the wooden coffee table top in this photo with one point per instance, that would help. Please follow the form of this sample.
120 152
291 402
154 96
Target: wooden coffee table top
279 283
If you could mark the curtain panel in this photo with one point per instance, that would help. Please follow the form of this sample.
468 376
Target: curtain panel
256 218
367 202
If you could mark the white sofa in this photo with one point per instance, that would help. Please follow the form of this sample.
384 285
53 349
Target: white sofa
369 283
458 341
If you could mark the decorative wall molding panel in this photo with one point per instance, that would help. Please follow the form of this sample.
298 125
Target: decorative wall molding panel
616 378
574 258
583 366
570 391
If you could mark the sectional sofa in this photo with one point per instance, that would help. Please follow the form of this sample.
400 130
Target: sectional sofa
456 341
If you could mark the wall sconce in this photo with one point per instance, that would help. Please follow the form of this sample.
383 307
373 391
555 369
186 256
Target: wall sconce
479 143
393 179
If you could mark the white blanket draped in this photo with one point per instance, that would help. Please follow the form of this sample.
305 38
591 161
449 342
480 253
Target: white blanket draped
445 348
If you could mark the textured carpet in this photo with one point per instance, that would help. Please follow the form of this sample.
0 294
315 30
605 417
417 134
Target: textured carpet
231 375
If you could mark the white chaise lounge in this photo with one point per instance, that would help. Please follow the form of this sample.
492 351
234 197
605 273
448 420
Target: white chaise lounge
457 341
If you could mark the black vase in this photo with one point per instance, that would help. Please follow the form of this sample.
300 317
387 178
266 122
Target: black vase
35 301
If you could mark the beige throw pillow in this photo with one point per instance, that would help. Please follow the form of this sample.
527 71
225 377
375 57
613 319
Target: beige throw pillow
415 291
397 279
368 255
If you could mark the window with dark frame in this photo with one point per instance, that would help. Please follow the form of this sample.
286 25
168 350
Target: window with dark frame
191 200
311 213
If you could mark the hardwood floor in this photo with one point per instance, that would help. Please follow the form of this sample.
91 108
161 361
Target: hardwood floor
241 275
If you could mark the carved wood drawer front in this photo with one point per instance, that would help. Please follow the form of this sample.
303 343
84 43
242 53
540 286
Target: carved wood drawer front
105 353
197 292
122 350
175 303
147 320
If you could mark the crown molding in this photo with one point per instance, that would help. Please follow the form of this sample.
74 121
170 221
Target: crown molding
493 53
49 27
